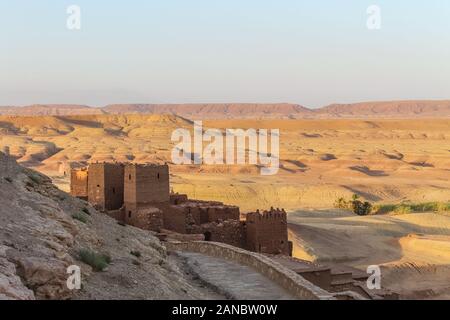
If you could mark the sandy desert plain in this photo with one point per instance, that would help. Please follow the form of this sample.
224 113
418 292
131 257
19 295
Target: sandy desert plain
383 160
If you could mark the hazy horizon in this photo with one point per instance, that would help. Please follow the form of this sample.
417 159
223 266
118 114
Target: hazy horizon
312 54
217 103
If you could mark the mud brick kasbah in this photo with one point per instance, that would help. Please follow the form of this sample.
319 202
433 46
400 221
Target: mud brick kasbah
139 195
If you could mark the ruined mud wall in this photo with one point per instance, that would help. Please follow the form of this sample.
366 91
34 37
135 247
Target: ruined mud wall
231 232
286 278
147 219
177 198
217 213
176 219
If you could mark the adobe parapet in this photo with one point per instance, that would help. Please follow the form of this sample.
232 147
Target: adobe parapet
272 214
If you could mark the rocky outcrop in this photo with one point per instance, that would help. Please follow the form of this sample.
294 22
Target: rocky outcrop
35 235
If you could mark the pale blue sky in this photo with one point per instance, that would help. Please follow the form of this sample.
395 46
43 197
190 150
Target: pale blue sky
173 51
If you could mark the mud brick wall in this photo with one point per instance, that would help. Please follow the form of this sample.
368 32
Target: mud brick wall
119 215
176 218
223 213
79 183
147 219
231 232
177 198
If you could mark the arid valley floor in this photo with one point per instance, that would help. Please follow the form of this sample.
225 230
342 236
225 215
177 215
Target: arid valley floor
384 161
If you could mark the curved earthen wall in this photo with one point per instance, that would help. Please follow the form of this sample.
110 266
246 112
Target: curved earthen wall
286 278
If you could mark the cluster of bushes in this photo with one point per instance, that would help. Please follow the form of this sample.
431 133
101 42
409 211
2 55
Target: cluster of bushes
365 208
404 208
361 208
82 217
97 261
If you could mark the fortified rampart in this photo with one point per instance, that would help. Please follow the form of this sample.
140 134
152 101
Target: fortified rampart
139 195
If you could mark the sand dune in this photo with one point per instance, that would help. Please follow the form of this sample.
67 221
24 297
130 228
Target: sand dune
413 250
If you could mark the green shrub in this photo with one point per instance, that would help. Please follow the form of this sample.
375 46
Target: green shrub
384 208
358 207
405 208
36 179
402 209
86 210
361 208
341 203
80 217
97 261
443 207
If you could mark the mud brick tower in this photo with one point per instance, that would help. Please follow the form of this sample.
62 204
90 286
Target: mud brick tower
105 185
267 232
145 186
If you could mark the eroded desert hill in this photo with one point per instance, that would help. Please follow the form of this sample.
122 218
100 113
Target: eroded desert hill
383 109
320 160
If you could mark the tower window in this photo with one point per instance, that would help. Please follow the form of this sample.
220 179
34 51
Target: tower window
129 177
158 176
129 214
114 190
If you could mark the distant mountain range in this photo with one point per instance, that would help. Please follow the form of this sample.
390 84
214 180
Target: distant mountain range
384 109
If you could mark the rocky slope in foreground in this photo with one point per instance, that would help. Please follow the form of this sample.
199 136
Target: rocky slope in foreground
39 239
